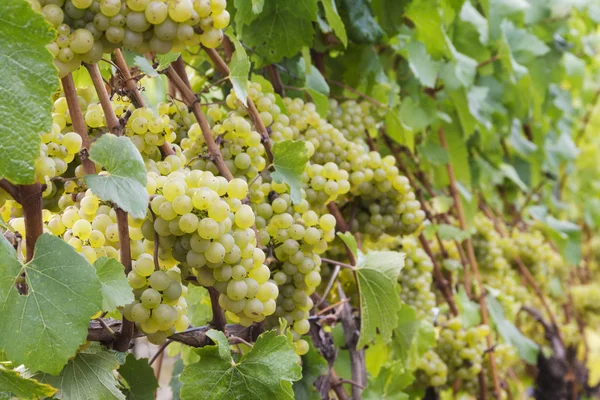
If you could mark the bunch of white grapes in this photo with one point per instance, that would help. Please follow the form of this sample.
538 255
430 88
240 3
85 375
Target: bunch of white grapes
89 28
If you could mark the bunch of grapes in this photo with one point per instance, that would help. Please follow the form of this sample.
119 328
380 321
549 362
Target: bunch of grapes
202 224
415 279
88 28
159 309
462 349
505 358
324 183
354 119
431 370
487 246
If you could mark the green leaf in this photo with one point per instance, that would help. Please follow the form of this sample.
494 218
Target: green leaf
139 378
349 241
28 80
313 366
519 142
358 19
44 328
321 102
289 159
469 14
116 291
412 337
524 46
414 117
395 128
429 29
527 348
388 384
265 372
165 60
175 382
145 66
88 376
469 311
314 80
13 383
512 175
199 308
377 275
125 180
390 15
421 64
280 30
239 68
335 21
460 71
451 232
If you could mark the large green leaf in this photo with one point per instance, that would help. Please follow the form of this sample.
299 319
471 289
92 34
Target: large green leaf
377 276
44 328
87 376
280 30
116 291
289 159
412 337
429 27
313 366
265 372
421 64
13 383
239 68
335 21
527 348
358 19
27 81
140 382
124 182
469 14
389 383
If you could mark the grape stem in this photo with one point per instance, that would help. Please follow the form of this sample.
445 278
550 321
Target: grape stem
78 123
159 351
439 277
192 102
252 111
474 265
275 79
112 122
218 320
135 95
9 188
156 240
338 263
30 198
336 271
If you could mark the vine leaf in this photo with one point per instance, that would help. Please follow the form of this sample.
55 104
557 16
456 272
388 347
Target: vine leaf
44 328
316 85
377 276
12 382
124 182
140 382
239 68
27 81
349 241
145 66
88 376
116 291
413 337
313 366
335 21
289 159
165 60
428 25
358 18
527 348
421 64
265 372
280 30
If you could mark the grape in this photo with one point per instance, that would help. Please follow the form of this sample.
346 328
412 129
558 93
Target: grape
81 42
150 298
139 313
82 229
159 280
244 216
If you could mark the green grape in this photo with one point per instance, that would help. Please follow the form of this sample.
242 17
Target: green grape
139 313
173 291
244 216
159 280
237 290
164 315
150 298
82 41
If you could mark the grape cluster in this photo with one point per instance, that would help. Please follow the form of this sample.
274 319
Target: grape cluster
354 119
159 309
462 349
88 28
505 358
415 279
202 224
431 370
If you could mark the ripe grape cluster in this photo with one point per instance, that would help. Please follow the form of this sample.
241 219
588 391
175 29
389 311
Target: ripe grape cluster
431 370
462 349
160 308
415 279
89 28
355 119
